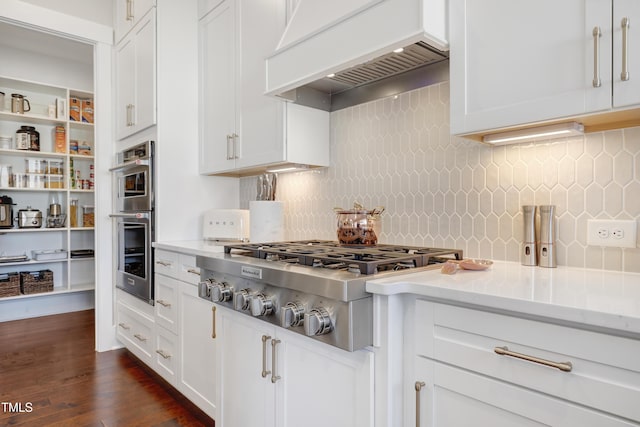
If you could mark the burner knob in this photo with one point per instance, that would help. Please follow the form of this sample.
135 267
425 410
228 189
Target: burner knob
261 305
241 300
291 315
204 288
317 322
221 292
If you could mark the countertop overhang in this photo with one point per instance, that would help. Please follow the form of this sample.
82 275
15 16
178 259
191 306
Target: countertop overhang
601 300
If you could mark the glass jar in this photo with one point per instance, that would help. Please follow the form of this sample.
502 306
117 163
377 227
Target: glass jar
73 213
23 138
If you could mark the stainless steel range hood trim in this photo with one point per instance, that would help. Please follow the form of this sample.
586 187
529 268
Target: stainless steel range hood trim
420 77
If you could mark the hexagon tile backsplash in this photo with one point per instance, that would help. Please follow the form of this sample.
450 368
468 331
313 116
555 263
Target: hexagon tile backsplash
444 191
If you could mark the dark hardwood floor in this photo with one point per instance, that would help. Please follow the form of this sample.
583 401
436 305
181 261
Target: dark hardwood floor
50 375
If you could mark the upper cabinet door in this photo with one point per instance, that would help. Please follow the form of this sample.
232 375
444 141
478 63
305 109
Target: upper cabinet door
136 78
523 62
217 82
129 13
626 52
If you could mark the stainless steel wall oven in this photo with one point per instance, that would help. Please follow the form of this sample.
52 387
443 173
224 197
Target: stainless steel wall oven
135 220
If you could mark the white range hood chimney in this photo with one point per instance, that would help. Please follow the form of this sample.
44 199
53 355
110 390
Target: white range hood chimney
355 40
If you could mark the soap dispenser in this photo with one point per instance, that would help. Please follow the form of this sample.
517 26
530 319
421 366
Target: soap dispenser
529 255
547 256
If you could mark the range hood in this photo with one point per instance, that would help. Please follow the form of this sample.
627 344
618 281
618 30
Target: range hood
333 49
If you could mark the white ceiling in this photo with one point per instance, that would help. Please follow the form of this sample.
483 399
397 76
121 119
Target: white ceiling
30 40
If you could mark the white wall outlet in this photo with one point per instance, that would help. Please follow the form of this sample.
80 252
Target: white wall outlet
618 233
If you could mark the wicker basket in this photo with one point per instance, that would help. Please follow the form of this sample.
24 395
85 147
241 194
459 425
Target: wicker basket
34 282
9 284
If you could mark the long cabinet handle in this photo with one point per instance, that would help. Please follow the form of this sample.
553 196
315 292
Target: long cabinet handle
124 326
274 362
624 75
164 263
213 322
229 147
163 303
129 10
265 338
163 354
418 386
563 366
235 145
193 271
140 337
597 33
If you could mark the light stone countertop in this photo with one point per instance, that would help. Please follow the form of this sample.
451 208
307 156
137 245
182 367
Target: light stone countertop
192 247
597 299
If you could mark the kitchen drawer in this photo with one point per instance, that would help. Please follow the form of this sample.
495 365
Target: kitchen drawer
166 355
605 370
167 263
136 332
166 307
189 272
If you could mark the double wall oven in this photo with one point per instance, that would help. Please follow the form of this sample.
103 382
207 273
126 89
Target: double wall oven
135 222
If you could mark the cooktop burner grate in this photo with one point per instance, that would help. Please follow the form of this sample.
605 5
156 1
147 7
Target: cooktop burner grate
332 255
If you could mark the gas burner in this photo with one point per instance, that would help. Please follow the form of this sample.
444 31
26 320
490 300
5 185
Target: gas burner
365 260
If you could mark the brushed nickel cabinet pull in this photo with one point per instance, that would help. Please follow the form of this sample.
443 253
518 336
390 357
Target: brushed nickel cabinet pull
129 10
124 326
213 322
140 337
597 33
193 271
563 366
418 385
163 303
163 263
624 75
265 338
229 147
163 354
235 145
274 377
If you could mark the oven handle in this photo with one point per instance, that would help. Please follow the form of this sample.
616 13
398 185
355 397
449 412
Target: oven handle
130 215
130 164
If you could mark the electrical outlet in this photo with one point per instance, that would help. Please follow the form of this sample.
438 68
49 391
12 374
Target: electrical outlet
609 232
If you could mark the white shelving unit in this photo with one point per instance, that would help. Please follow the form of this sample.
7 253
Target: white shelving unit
69 274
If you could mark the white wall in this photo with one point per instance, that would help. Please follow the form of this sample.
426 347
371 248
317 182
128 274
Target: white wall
443 191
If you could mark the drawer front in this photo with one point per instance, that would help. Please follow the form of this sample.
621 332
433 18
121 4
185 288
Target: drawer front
166 307
605 369
135 332
189 272
167 263
166 355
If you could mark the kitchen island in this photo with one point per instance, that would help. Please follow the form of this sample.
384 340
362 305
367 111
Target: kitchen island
508 346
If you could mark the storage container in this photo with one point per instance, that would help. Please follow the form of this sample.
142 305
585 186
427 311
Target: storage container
33 282
35 180
9 284
88 216
54 181
20 180
34 165
6 142
56 166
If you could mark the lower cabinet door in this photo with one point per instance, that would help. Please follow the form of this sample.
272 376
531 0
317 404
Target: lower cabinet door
198 349
321 385
166 355
455 397
247 393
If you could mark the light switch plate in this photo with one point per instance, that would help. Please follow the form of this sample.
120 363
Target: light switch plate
612 232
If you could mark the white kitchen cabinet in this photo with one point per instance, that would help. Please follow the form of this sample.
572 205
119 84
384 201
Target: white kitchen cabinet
467 383
166 302
128 14
197 349
136 78
271 377
518 63
135 326
241 129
